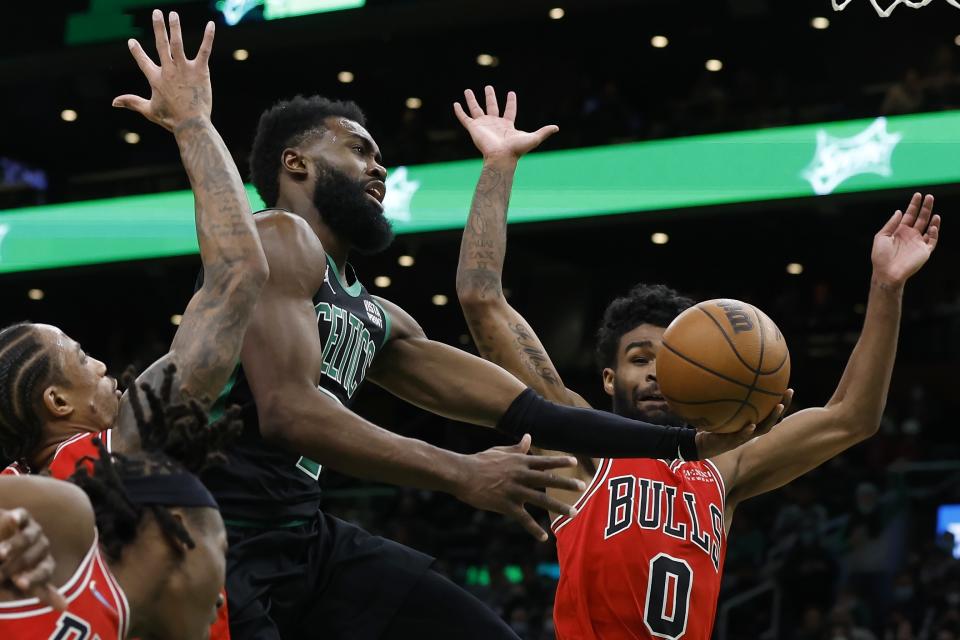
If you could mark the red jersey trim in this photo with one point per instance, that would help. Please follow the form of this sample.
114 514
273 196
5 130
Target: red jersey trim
71 590
123 613
603 469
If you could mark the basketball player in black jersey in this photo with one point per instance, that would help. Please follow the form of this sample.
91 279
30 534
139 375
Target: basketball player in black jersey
316 335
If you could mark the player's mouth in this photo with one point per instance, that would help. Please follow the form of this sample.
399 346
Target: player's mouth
376 190
651 398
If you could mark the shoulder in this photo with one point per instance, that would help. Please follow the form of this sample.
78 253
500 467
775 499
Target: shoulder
62 510
294 253
65 459
402 324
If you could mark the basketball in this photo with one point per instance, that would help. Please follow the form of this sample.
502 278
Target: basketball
724 364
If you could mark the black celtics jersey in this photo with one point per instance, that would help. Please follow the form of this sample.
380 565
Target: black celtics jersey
264 484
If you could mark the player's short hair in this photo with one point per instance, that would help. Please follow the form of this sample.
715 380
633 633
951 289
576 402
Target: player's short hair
654 304
287 124
25 371
177 437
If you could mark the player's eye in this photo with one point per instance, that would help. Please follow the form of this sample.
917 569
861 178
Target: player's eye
641 361
358 148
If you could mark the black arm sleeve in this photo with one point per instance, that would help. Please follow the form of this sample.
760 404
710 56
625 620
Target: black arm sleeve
594 433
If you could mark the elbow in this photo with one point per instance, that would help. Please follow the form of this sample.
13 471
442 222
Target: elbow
477 296
861 422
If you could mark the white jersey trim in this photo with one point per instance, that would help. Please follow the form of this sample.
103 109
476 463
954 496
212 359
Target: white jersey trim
77 584
597 482
123 607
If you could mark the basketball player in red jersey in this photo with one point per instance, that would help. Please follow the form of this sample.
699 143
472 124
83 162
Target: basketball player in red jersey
54 399
138 543
644 555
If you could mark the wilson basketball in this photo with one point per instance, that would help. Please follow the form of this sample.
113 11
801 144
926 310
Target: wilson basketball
723 365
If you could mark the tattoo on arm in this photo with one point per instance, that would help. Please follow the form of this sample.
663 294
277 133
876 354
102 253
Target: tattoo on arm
533 355
207 345
485 237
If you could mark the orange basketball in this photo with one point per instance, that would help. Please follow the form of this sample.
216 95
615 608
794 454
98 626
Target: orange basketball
723 365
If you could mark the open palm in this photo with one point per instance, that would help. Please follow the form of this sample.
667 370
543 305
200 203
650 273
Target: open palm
905 243
496 136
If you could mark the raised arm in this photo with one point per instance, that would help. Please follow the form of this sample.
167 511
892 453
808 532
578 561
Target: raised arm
282 357
207 344
809 438
503 336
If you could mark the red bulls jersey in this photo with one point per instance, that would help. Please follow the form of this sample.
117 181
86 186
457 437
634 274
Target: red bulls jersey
96 608
68 453
643 557
64 464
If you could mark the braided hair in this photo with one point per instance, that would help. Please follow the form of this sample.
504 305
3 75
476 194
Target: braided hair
177 437
25 370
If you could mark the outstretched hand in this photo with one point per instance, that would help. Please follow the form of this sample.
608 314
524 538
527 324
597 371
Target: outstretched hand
713 444
494 135
905 243
179 87
504 479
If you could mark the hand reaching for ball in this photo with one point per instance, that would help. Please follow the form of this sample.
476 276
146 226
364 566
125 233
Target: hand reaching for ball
710 444
905 243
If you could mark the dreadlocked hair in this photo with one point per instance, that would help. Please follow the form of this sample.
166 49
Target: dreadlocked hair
25 370
177 437
287 124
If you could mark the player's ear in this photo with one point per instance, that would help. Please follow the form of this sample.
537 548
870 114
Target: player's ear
180 517
294 163
57 402
609 377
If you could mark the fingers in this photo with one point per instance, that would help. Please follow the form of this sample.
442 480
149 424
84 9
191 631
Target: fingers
541 480
545 132
527 522
27 560
510 110
206 45
770 421
176 38
49 595
542 463
910 216
472 104
10 522
892 223
160 36
524 445
933 233
542 500
461 114
493 109
132 102
926 211
23 550
142 59
787 400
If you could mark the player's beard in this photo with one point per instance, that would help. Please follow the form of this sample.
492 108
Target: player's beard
625 404
348 210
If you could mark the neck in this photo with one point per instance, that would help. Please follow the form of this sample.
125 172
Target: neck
141 573
333 245
55 434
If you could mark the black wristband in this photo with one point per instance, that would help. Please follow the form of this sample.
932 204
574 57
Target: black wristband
594 433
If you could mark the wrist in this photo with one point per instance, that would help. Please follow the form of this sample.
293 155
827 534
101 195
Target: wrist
884 282
501 161
455 474
186 125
